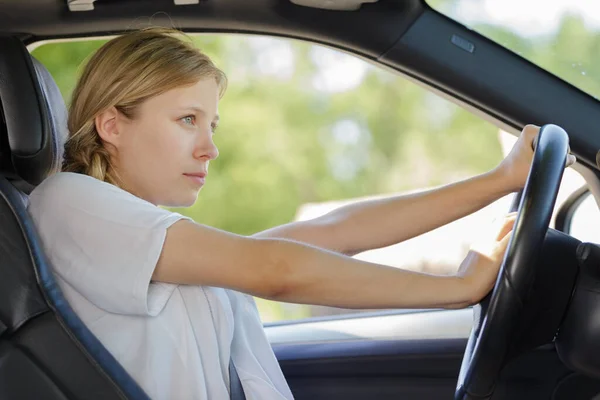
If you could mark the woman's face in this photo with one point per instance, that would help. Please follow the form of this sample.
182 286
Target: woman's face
164 151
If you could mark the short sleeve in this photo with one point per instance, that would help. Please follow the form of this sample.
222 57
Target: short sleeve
103 241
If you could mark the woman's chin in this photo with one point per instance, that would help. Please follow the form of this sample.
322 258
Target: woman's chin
182 201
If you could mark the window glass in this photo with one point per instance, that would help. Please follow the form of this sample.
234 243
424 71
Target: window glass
585 222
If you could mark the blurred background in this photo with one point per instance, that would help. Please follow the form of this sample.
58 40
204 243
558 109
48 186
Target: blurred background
305 129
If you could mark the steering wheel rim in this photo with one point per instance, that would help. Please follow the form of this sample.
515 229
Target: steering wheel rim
496 317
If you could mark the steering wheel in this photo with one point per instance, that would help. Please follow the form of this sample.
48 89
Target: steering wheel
496 318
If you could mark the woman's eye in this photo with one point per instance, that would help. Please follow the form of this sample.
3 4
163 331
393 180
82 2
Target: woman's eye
189 120
214 127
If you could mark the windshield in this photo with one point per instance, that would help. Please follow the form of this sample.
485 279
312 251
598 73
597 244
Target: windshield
561 36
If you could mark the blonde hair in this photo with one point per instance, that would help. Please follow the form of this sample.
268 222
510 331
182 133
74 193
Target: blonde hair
123 73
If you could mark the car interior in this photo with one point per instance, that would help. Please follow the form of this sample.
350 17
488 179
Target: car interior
534 337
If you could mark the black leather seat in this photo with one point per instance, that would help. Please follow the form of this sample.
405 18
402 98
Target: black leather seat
45 350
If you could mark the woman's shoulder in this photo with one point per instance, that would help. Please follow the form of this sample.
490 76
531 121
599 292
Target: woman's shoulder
60 188
68 197
66 184
65 194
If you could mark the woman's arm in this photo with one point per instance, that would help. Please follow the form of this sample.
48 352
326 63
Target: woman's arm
293 272
372 224
378 223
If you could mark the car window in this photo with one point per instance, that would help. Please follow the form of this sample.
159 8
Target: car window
585 221
306 129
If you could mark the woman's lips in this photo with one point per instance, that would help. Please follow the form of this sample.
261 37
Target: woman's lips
199 179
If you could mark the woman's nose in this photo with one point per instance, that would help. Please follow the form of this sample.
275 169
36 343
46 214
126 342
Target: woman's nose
206 148
214 151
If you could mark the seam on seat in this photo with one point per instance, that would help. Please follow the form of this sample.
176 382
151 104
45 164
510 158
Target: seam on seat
3 328
18 325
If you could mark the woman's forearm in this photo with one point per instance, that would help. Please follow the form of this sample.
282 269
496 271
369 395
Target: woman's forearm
311 275
378 223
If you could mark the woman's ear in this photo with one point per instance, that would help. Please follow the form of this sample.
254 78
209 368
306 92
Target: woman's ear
106 126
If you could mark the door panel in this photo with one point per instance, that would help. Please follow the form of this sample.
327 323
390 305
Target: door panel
336 360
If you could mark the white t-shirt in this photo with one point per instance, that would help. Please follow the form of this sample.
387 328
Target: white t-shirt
174 340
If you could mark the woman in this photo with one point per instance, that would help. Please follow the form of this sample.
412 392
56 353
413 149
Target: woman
170 298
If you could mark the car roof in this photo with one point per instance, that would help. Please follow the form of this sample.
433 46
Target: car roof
372 29
404 35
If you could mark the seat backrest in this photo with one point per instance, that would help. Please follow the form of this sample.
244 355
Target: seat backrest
46 352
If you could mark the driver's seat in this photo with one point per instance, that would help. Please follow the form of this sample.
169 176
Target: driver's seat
45 350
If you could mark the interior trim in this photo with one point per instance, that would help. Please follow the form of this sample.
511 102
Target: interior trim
426 325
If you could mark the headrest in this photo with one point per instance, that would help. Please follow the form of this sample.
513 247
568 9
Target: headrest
34 117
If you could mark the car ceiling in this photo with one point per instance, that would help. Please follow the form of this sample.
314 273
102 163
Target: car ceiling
404 35
371 30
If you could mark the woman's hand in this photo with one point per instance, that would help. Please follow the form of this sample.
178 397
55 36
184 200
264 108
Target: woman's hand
514 169
480 267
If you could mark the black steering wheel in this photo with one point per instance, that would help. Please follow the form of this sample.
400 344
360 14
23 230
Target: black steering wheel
496 318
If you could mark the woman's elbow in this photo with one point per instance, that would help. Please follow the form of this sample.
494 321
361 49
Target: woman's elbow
275 279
